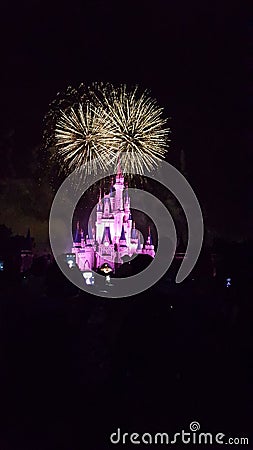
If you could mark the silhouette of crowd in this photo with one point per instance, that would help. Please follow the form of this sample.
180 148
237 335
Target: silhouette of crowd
75 367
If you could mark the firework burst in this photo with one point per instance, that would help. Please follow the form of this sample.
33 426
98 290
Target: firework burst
92 127
138 127
83 137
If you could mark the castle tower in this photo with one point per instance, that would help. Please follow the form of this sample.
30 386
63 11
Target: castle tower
77 239
99 225
126 202
99 207
134 236
123 247
119 187
112 195
122 240
118 204
139 245
107 206
149 247
82 239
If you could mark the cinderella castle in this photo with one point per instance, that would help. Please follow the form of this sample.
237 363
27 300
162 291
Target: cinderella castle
114 235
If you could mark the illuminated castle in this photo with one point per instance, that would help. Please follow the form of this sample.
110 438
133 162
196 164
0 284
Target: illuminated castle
114 235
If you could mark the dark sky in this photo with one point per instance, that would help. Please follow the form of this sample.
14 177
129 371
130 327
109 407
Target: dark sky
193 55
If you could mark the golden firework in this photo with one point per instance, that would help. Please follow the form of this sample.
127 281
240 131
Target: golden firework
106 123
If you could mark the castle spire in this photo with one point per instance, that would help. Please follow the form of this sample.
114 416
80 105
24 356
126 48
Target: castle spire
119 187
107 236
139 246
126 193
90 234
119 172
77 235
100 204
119 176
122 239
149 240
112 189
123 236
134 232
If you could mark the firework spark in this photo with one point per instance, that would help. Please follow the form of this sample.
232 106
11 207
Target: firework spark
138 127
83 138
102 123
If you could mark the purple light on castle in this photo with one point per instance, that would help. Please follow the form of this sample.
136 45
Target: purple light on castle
114 235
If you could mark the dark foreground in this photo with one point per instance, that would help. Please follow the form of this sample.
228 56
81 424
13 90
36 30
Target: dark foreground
74 367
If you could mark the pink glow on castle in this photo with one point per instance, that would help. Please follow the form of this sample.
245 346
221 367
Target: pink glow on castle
114 235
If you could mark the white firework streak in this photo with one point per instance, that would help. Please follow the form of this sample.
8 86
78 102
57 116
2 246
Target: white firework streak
83 137
114 123
140 136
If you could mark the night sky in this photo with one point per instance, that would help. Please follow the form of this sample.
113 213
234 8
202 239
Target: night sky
194 56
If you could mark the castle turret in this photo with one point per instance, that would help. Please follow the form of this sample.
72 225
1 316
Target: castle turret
99 206
119 187
126 202
90 235
77 239
149 239
99 225
122 240
82 239
139 245
107 206
134 233
112 194
149 247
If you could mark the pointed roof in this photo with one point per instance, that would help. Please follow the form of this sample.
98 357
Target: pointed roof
122 236
100 204
107 236
119 175
126 193
77 234
134 232
107 203
139 242
149 240
119 171
112 188
90 234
